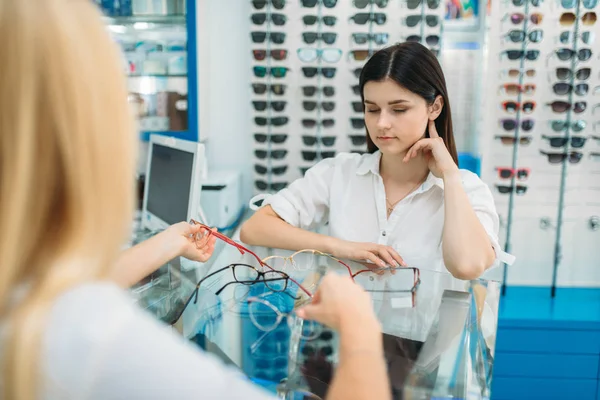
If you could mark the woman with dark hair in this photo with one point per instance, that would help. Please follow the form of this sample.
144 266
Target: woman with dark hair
407 197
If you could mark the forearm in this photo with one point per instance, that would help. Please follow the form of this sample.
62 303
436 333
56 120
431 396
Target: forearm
466 246
362 372
266 229
139 261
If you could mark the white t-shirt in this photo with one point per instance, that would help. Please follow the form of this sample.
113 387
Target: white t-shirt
98 345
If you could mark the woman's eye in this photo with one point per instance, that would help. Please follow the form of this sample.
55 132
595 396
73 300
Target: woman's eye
399 111
373 110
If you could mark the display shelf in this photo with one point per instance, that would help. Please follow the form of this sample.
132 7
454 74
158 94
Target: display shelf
150 19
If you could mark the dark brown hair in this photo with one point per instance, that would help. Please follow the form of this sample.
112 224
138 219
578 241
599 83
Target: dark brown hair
414 67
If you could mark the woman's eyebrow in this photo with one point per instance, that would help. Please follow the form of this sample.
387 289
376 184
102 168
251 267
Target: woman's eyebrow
390 103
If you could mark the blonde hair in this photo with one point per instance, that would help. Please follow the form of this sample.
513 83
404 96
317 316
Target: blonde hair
66 167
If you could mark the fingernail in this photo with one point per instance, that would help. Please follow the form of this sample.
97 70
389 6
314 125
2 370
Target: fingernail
396 264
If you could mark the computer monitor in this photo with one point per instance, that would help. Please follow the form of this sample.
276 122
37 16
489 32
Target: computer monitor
174 175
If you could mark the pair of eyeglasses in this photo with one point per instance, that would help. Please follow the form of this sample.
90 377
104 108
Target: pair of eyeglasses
360 55
311 123
263 170
278 55
512 106
324 140
313 3
563 88
574 157
357 123
431 40
261 36
364 3
358 140
530 55
413 20
413 4
273 138
589 4
260 105
261 88
511 124
565 54
520 3
518 189
576 126
517 18
327 20
260 4
309 90
513 88
508 173
576 141
567 37
567 74
313 105
278 154
563 106
276 121
517 35
310 54
262 185
260 18
569 18
377 38
326 37
313 155
395 284
515 73
363 18
510 140
310 72
277 72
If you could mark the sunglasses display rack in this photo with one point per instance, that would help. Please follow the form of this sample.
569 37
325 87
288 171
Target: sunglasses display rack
307 56
538 156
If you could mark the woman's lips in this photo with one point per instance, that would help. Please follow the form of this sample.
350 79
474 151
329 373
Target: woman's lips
385 137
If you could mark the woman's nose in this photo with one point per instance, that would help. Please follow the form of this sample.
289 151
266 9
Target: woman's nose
383 122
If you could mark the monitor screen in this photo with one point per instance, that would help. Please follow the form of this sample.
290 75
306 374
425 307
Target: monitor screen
169 183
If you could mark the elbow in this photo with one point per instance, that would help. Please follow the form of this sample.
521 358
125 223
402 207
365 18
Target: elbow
469 269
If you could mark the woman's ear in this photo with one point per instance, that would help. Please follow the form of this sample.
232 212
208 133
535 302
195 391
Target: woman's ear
436 108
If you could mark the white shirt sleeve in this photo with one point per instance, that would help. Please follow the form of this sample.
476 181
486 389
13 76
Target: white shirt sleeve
483 204
305 202
100 346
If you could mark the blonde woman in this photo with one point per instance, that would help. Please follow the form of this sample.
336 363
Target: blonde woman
66 200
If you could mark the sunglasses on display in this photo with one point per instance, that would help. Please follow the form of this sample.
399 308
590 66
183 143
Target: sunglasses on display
276 121
520 3
565 74
310 91
589 4
364 3
277 72
363 18
518 189
261 88
431 20
574 157
517 18
358 140
514 89
312 155
357 106
355 89
324 140
508 173
260 4
262 185
260 18
586 37
516 35
515 73
566 54
309 54
431 40
273 154
530 55
273 138
313 3
576 126
511 124
328 20
263 170
377 38
576 141
261 36
311 72
431 4
357 72
360 55
311 123
260 105
510 140
512 106
357 123
311 37
563 88
587 19
278 55
313 105
563 106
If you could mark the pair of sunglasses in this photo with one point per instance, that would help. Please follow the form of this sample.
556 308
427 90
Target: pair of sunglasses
313 140
324 105
413 20
509 173
514 89
310 54
512 106
576 126
563 106
565 74
377 38
311 123
260 18
357 123
312 155
313 19
431 40
311 72
261 54
260 105
277 138
413 4
310 91
574 157
516 35
263 170
313 3
364 3
510 140
535 18
511 124
567 37
530 55
260 4
357 106
261 88
567 54
576 141
261 36
363 18
563 88
262 185
277 72
326 37
589 4
518 189
358 140
515 73
520 3
360 55
569 18
276 121
273 154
